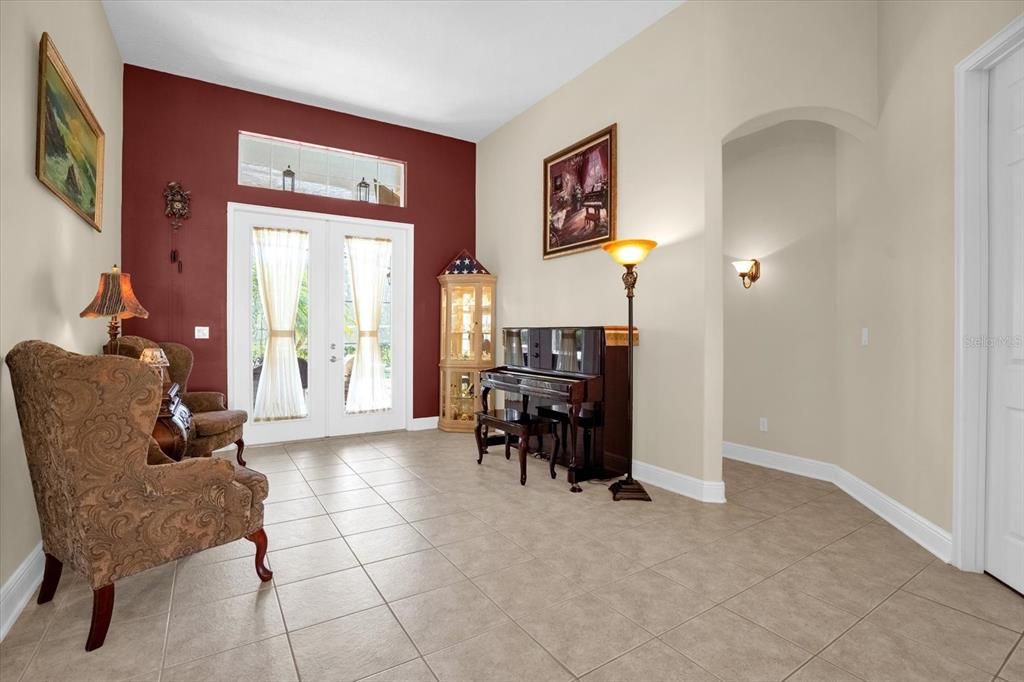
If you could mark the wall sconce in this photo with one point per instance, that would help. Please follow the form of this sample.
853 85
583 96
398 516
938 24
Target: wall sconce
288 179
749 271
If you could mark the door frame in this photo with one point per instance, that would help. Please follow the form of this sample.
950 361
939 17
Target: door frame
971 231
234 207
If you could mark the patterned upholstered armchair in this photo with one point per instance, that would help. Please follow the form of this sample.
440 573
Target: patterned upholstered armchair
213 424
103 509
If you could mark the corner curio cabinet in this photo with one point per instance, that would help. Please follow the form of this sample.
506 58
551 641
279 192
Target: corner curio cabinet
467 339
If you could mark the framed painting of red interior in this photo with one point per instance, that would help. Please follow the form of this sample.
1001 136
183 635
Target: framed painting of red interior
579 195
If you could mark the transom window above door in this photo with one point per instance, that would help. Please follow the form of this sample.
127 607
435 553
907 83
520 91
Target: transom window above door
269 162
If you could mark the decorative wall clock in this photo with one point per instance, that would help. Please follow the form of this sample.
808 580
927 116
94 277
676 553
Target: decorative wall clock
177 200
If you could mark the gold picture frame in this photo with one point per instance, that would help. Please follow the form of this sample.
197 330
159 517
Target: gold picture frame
579 195
69 139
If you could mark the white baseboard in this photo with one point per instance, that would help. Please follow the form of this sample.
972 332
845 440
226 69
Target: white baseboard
698 489
801 466
422 424
19 588
936 540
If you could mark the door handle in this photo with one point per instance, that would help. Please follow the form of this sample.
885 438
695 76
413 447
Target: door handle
334 358
333 346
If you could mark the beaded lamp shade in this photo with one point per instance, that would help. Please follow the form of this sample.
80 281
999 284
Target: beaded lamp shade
114 299
157 359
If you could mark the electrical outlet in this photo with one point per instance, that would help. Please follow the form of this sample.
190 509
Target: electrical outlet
764 423
864 336
202 332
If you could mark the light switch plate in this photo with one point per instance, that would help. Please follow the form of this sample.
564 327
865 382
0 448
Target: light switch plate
202 332
764 424
864 336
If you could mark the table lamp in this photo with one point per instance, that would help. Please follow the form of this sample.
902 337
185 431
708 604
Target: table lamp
629 253
116 300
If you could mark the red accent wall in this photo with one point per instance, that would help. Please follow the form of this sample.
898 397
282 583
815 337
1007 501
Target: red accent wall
186 130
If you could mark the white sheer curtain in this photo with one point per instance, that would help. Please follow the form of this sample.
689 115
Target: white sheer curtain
369 262
280 260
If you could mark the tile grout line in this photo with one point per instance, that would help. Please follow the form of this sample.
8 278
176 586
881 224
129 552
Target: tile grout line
167 624
38 645
654 636
492 483
394 616
513 620
765 579
867 615
468 579
284 621
959 610
1006 660
857 622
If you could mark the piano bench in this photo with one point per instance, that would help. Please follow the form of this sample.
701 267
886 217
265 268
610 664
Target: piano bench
520 424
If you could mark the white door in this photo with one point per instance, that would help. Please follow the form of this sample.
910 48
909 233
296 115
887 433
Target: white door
1004 523
318 324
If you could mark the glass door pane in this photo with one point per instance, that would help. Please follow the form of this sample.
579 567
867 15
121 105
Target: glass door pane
463 307
367 330
279 324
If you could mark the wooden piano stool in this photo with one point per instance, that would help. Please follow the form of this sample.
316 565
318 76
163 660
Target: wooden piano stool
521 425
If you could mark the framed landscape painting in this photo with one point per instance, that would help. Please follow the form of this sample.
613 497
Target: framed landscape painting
579 195
69 140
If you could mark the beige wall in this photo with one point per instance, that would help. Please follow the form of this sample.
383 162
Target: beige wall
780 335
49 257
895 207
675 91
889 420
709 71
651 88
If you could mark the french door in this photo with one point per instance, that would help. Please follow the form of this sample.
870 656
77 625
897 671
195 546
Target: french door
317 323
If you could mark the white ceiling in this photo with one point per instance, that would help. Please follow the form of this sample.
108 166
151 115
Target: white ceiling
457 68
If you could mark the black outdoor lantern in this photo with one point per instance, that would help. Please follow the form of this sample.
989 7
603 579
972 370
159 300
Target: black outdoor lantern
363 190
288 179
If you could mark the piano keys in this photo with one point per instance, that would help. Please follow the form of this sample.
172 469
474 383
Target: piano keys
577 375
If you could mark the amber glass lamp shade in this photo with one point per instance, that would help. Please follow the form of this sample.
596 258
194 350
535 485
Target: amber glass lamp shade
629 251
114 299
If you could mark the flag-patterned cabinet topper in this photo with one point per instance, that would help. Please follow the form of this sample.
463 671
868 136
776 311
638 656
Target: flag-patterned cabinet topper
465 264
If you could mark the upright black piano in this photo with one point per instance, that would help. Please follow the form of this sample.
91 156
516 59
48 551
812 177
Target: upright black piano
576 375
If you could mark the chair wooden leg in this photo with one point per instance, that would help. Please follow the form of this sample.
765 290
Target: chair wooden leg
241 447
259 538
102 610
51 578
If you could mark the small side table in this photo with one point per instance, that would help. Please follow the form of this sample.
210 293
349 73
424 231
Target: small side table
173 423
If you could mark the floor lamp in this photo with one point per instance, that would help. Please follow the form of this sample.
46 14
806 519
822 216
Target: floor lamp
629 253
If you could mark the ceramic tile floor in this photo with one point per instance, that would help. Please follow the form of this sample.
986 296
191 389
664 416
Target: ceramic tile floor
396 557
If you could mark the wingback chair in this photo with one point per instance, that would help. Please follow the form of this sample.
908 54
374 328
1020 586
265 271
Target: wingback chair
103 509
214 426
